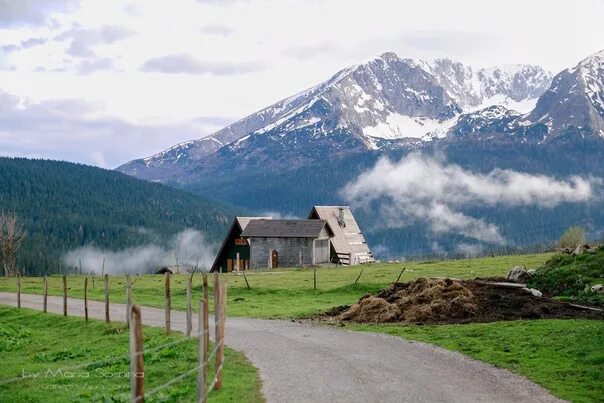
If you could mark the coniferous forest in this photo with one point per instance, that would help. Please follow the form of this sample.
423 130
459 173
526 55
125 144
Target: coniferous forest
63 206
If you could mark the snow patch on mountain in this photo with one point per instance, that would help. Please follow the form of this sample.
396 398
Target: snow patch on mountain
400 126
514 86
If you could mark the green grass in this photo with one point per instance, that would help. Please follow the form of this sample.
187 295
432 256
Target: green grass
570 277
284 293
564 356
36 343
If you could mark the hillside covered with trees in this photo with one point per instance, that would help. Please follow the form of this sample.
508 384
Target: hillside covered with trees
62 206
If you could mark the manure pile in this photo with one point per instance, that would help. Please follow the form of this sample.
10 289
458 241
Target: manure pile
455 301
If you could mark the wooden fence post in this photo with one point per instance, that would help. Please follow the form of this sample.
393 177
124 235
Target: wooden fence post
64 295
189 315
357 280
206 301
45 301
219 318
202 386
314 277
137 372
216 287
106 278
400 274
18 290
128 298
167 301
246 282
86 298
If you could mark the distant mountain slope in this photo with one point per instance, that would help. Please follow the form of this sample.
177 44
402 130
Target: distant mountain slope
514 86
575 98
64 206
305 149
383 103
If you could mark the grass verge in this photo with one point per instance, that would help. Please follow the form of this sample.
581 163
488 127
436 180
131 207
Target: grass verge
283 293
37 343
564 356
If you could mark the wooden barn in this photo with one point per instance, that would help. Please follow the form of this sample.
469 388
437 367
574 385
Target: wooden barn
288 243
348 245
234 244
329 235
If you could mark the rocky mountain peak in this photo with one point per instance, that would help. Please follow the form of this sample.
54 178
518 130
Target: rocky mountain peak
575 99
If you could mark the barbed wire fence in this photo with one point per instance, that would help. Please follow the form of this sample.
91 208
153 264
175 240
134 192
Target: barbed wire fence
137 350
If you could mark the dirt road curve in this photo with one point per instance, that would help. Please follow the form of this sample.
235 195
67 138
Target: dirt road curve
305 363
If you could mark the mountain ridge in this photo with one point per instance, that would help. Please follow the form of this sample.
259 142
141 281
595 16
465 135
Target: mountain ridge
426 106
324 138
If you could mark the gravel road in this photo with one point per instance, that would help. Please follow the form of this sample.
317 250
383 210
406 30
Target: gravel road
299 362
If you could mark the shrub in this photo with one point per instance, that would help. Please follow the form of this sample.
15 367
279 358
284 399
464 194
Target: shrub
573 237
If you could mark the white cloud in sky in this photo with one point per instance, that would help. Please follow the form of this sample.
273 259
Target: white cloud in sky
80 130
237 57
421 188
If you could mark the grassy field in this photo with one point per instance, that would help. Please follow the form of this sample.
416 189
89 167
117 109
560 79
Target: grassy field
32 342
284 293
565 356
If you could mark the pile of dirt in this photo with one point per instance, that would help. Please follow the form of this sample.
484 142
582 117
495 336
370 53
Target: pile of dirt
455 301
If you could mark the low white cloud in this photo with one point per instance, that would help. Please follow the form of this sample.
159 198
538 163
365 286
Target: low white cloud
189 246
420 188
469 250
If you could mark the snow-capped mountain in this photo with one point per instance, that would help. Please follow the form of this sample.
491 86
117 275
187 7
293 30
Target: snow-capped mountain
493 119
513 86
305 149
574 100
385 102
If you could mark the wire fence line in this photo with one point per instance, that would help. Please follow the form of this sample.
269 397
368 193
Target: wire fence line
112 359
190 372
139 353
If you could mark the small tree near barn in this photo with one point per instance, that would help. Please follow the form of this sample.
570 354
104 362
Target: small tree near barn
11 238
573 237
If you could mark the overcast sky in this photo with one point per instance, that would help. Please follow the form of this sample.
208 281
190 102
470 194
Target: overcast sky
103 82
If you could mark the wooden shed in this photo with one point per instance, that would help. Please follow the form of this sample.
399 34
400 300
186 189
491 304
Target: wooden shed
288 243
234 244
348 244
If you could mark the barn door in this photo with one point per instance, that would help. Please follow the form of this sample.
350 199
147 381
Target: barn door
274 259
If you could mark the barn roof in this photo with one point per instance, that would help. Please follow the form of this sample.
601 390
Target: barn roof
244 221
348 237
284 228
238 225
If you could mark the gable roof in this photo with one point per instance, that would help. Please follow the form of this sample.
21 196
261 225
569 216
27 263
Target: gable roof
244 221
347 238
238 225
284 229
